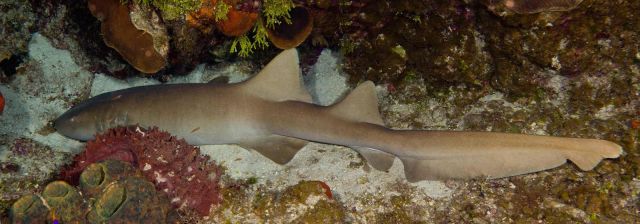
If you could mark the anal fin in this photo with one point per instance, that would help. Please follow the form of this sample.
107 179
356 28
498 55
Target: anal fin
280 149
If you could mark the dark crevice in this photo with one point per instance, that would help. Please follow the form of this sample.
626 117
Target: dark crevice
9 66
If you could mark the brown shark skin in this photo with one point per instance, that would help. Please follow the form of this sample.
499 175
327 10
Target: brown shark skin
207 114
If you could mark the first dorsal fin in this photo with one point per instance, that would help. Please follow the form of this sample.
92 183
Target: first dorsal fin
279 80
360 105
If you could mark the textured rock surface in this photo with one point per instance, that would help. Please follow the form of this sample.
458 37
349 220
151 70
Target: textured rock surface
16 24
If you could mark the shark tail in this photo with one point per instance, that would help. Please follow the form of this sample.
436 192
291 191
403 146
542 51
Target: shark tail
501 155
428 155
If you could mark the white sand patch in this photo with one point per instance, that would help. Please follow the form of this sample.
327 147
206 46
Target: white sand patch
51 81
340 167
326 83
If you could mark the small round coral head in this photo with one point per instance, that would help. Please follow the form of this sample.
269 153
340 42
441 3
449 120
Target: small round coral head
290 35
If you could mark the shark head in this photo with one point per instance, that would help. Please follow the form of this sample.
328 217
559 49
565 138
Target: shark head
86 119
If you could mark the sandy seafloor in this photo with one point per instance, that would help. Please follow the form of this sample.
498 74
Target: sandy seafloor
51 80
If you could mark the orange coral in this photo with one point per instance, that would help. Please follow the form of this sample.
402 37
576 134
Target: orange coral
285 36
237 23
203 19
134 45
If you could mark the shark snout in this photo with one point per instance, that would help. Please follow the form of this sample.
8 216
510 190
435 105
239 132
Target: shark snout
69 125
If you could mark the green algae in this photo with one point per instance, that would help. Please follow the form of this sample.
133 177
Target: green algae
171 9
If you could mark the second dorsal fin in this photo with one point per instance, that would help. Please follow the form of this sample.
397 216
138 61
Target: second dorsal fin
279 80
360 105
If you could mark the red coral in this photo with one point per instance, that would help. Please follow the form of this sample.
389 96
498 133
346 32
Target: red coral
174 166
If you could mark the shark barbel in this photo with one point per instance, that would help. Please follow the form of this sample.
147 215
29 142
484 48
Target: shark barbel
273 114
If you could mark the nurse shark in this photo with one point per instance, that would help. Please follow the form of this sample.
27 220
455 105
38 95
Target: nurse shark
273 114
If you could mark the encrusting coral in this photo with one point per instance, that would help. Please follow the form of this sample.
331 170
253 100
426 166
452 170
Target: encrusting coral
134 45
174 166
110 192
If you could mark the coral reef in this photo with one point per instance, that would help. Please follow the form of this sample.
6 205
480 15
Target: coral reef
136 46
111 191
174 166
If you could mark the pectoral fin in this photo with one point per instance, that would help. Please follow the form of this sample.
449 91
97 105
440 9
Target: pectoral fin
278 148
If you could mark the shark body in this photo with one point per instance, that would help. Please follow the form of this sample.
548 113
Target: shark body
273 114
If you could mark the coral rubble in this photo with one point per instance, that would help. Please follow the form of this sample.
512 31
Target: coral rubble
136 46
174 166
